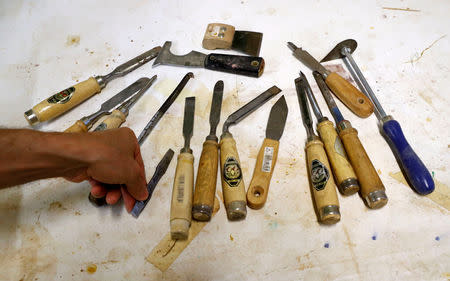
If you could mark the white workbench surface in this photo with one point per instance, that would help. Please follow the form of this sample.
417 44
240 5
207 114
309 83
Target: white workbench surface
49 231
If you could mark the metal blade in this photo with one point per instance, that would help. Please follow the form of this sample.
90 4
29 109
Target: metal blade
277 119
336 53
188 123
125 106
328 98
159 172
307 59
304 108
159 114
254 104
165 57
216 107
248 42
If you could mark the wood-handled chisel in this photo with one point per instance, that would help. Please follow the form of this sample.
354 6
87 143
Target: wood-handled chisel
100 201
84 124
417 175
342 169
72 96
232 180
371 187
242 65
183 182
344 90
267 156
205 184
320 176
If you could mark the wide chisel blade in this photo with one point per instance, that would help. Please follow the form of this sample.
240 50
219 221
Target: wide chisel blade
277 119
216 107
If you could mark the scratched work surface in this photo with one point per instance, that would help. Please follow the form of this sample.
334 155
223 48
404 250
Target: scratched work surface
49 231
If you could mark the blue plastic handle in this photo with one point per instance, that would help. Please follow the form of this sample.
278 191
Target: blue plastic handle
416 173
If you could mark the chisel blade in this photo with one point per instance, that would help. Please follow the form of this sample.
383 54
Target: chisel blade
277 119
216 106
188 123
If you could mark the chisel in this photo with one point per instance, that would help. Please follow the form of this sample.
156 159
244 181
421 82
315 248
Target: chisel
346 92
342 169
205 184
72 96
183 183
232 181
371 187
119 115
267 156
321 179
412 167
84 124
100 201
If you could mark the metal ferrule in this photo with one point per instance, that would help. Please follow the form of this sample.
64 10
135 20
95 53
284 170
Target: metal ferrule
386 118
31 117
91 119
349 186
202 212
376 199
186 150
237 210
212 138
343 125
330 210
102 81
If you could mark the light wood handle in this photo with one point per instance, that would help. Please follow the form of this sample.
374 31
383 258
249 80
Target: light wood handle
365 171
232 179
181 206
218 36
322 183
114 120
78 127
342 169
265 163
65 100
349 95
205 185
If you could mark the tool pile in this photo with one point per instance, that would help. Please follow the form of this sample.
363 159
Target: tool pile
336 158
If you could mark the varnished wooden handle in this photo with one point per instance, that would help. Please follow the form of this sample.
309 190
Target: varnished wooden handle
365 171
322 183
205 185
265 164
65 100
181 205
114 120
342 169
78 127
232 180
349 95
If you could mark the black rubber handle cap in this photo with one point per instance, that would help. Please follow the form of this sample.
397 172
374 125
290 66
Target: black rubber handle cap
241 65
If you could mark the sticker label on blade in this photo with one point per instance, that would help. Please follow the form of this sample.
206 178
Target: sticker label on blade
319 175
267 159
339 147
232 173
101 127
180 189
62 97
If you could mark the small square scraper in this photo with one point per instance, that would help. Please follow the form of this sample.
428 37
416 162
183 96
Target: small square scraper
224 36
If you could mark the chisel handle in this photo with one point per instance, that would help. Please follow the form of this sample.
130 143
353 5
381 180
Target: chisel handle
241 65
371 187
322 183
181 205
205 185
349 95
232 180
77 127
114 120
62 101
342 169
265 164
415 171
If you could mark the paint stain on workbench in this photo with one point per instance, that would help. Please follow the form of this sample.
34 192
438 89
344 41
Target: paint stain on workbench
326 245
231 237
374 237
56 206
91 268
440 195
73 40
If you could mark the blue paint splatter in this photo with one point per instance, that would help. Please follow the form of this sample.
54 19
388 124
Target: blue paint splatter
437 238
273 225
432 173
374 237
327 245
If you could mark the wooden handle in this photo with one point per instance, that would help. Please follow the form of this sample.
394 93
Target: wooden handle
342 169
218 36
265 164
365 171
322 183
114 120
349 95
232 180
205 185
181 206
78 127
65 100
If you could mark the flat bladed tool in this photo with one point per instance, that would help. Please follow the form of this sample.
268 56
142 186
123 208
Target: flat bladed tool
346 92
242 65
205 184
85 123
320 176
267 156
183 183
232 180
72 96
